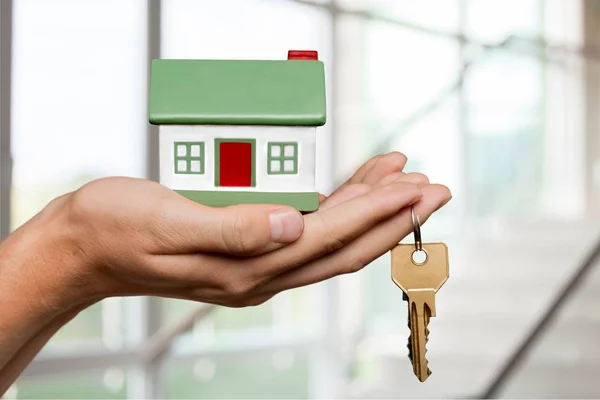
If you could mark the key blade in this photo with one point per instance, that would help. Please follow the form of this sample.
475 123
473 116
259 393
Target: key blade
432 274
421 309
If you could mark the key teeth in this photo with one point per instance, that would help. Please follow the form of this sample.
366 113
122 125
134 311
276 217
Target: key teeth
427 319
409 346
409 341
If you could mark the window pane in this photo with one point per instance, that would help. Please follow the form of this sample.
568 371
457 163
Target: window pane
86 327
279 375
275 166
288 165
439 14
79 111
195 166
101 384
257 29
275 150
493 21
412 103
505 124
289 317
181 166
410 92
289 151
195 150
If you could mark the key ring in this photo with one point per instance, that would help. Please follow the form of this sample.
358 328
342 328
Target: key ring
416 230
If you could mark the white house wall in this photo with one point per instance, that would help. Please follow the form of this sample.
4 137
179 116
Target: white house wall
304 181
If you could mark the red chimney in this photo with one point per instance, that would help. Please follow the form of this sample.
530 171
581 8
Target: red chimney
303 55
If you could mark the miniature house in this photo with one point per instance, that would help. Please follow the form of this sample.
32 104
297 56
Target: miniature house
240 131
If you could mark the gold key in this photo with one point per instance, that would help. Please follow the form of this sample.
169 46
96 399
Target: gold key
419 279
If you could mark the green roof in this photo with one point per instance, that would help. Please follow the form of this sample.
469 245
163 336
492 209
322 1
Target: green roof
237 92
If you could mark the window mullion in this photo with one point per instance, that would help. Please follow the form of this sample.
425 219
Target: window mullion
6 17
151 381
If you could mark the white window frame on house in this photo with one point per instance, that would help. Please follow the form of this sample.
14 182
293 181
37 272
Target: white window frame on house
143 315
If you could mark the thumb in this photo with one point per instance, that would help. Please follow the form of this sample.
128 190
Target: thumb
246 229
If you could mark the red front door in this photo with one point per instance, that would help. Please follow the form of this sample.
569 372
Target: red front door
235 164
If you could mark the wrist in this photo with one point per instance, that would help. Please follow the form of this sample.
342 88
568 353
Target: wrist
42 269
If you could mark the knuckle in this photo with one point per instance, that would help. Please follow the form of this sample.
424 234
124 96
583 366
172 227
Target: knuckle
395 160
331 241
418 177
350 266
355 264
237 288
373 205
356 189
79 205
236 237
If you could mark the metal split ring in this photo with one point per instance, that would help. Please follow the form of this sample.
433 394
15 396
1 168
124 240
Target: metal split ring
416 230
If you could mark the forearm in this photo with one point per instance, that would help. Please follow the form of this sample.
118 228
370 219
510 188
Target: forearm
41 284
23 357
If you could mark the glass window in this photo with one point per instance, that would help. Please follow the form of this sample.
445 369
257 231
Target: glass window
282 158
189 157
110 383
399 89
280 374
79 113
505 125
396 88
436 14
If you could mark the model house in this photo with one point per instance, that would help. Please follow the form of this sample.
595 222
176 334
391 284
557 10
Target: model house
240 131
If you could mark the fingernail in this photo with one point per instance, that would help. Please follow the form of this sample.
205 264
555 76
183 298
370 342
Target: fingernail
286 226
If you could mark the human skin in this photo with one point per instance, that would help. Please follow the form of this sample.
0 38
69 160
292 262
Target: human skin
132 237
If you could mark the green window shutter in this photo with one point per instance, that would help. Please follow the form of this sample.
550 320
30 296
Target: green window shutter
189 158
282 158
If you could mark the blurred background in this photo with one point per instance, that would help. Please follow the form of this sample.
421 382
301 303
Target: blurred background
498 100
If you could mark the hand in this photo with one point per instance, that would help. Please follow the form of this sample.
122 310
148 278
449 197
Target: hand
122 236
136 237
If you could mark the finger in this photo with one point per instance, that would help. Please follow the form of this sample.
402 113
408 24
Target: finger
413 177
351 191
245 229
324 231
330 229
345 194
387 164
376 168
364 249
360 173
